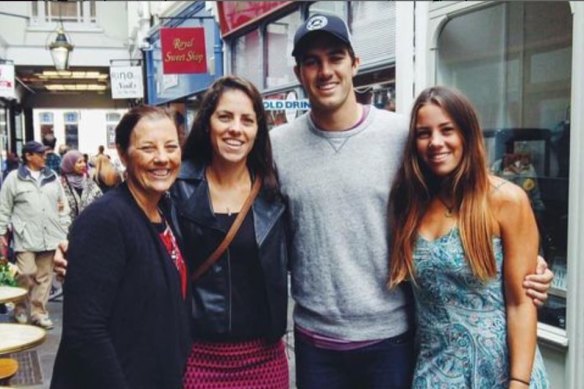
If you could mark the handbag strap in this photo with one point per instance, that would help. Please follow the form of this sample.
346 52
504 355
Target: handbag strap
202 269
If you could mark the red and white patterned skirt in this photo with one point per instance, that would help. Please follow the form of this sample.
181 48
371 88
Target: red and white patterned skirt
252 364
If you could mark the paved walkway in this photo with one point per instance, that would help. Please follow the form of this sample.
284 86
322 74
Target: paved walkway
48 350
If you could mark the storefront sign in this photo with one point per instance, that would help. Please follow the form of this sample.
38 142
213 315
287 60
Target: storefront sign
291 113
235 14
126 82
7 81
183 50
276 105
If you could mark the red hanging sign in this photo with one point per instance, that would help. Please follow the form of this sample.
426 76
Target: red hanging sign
183 50
233 15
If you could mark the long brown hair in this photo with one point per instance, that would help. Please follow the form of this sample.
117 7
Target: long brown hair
415 186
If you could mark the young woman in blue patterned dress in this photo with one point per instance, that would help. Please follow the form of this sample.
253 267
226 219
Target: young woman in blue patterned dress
466 240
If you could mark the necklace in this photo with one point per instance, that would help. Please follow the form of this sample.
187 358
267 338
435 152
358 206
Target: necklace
227 195
449 209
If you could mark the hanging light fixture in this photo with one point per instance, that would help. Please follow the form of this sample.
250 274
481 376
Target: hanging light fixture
60 49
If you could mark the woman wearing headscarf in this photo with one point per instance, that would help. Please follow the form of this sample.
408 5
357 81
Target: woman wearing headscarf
80 191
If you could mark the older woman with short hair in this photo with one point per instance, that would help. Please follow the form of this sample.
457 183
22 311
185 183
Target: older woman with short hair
125 322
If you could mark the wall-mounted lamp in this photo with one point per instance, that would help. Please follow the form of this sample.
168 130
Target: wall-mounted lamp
60 49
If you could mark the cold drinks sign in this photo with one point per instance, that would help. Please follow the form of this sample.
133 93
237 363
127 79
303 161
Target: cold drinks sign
288 104
183 50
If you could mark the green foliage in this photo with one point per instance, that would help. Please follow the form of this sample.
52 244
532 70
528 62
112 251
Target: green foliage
6 273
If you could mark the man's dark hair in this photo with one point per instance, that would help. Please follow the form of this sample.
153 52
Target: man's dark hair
50 141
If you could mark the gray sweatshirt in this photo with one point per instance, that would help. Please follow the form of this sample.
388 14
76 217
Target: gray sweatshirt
337 186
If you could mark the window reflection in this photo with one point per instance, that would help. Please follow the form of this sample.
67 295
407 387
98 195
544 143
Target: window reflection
280 42
291 106
247 56
71 129
517 72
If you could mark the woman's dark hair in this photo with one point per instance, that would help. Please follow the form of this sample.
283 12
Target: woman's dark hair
197 147
126 125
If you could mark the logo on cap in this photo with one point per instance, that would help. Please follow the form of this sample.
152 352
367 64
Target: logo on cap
316 23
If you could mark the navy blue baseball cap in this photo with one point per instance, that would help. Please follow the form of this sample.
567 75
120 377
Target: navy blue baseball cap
321 23
33 147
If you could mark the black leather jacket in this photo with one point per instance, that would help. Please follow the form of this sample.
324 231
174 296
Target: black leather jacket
212 293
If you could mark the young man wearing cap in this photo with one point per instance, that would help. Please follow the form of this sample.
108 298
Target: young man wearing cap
336 165
32 200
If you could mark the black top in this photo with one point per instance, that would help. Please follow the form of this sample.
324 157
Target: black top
125 323
216 306
250 315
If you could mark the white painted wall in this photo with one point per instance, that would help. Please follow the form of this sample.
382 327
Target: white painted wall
92 128
25 42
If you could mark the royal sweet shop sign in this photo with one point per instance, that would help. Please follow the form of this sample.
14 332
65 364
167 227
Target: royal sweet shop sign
183 50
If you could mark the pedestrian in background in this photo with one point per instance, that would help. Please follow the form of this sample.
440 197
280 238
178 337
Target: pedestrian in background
101 152
239 308
10 164
32 200
63 149
79 189
105 174
53 159
466 240
125 321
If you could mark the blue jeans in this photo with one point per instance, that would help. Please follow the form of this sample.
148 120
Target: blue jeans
387 364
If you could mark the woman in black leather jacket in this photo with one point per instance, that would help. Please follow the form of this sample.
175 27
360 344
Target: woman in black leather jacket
239 306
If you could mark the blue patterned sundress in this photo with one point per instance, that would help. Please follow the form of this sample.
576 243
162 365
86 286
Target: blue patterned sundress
461 324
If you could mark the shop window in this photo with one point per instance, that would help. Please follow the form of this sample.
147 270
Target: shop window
280 42
338 8
376 88
3 136
372 25
111 121
283 107
71 120
19 130
46 12
246 59
513 60
47 126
